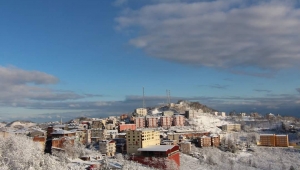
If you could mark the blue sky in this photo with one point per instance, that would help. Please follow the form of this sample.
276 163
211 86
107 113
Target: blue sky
92 58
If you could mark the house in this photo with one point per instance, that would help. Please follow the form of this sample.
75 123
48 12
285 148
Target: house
159 156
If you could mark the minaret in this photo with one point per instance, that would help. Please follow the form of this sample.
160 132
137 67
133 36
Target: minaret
61 120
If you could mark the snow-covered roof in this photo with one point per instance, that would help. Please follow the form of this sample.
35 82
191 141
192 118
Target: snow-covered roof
60 132
159 148
266 134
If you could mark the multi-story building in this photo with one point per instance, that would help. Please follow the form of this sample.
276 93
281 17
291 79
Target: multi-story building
205 141
168 113
141 112
125 127
193 113
98 124
136 139
107 147
140 122
282 140
178 120
215 140
274 140
165 121
185 147
98 134
231 127
152 122
267 140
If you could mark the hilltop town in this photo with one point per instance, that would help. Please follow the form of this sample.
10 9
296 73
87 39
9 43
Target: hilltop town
182 135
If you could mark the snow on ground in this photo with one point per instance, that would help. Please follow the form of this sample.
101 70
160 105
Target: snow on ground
262 158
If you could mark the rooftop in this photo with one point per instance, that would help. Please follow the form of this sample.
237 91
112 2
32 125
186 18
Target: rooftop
159 148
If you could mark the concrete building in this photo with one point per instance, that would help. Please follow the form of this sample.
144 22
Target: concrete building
168 113
110 126
232 127
160 157
185 147
193 113
215 140
178 120
274 140
125 127
141 112
107 147
58 133
267 140
165 121
205 141
37 132
152 122
98 124
136 139
282 140
140 122
97 135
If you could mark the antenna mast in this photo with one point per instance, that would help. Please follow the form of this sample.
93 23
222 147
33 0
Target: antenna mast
143 98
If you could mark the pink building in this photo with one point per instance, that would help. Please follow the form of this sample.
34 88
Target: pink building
140 122
152 122
178 120
165 121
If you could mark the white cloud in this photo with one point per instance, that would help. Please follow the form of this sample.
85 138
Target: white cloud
222 33
20 87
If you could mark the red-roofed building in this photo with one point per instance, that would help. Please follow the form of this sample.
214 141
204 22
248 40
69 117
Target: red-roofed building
159 156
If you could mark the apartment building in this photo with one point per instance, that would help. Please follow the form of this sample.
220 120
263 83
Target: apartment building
152 122
125 127
282 140
185 147
231 127
140 122
141 111
107 147
168 113
165 121
274 140
178 120
193 113
215 140
136 139
205 141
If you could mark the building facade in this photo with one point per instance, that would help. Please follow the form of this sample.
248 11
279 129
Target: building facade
140 122
152 122
107 147
178 120
274 140
136 139
165 121
231 127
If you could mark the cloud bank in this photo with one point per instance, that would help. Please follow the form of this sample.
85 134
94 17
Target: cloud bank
262 34
21 87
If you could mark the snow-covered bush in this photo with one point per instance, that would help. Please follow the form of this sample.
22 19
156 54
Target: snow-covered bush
20 152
